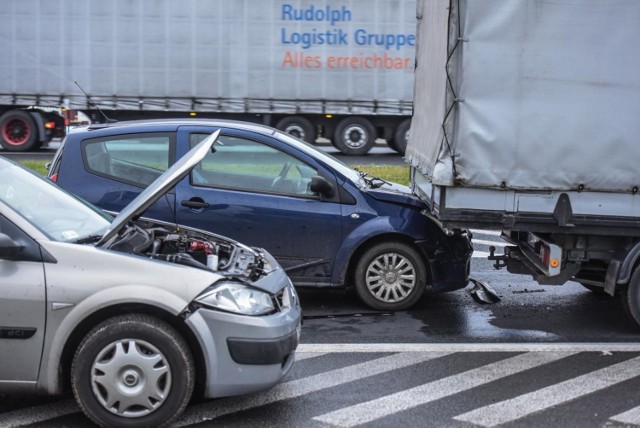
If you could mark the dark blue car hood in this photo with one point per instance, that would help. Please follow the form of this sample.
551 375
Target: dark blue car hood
396 193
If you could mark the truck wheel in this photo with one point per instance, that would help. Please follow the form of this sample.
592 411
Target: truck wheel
132 370
401 137
631 296
354 136
390 276
18 131
298 127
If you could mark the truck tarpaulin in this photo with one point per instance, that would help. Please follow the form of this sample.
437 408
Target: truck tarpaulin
516 94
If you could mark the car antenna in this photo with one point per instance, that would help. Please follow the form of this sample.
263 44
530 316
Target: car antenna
108 120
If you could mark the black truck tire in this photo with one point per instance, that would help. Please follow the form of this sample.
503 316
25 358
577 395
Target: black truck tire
354 136
298 127
401 137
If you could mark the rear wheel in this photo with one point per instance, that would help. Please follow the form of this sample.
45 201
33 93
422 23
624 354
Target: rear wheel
18 131
401 137
354 136
631 297
298 127
390 276
132 370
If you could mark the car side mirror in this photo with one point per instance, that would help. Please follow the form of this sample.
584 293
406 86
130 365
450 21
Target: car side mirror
9 249
321 185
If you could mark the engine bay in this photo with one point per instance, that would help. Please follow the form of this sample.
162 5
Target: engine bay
190 247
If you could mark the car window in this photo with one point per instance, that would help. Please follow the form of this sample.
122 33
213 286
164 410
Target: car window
136 159
248 165
58 214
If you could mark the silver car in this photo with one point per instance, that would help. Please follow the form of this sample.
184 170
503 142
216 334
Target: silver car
133 314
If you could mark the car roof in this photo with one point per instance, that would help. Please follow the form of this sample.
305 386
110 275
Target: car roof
171 123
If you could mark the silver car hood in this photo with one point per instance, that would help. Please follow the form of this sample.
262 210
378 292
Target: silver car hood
159 187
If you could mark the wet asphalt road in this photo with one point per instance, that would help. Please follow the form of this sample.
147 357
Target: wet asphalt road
542 356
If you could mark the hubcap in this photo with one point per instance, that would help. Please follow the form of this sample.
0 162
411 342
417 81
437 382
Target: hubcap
391 277
295 130
355 136
131 378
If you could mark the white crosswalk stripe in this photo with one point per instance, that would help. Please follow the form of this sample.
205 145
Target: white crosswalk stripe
527 404
631 417
514 363
423 394
299 387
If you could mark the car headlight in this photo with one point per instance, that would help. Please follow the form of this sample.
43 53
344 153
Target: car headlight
238 298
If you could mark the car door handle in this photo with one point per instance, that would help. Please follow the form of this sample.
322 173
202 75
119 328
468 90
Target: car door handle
194 204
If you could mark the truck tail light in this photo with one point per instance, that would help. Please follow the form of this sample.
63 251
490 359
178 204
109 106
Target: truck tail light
50 125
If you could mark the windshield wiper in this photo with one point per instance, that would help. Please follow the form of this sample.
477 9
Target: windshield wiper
88 239
373 182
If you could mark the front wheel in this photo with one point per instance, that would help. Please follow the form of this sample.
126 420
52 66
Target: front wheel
132 370
390 276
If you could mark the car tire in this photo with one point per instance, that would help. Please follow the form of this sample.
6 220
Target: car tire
354 136
149 363
18 132
390 276
298 127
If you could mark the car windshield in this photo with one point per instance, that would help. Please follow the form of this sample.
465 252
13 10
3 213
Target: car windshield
56 213
344 169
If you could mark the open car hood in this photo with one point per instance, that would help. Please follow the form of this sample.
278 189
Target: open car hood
160 186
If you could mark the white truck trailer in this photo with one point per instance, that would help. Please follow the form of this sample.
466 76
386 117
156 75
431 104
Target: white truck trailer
338 69
527 120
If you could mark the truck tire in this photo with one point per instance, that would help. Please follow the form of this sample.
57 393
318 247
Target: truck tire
631 297
298 127
354 136
390 276
401 137
18 131
132 370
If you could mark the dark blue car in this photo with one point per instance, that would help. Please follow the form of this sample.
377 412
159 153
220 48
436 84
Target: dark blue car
326 223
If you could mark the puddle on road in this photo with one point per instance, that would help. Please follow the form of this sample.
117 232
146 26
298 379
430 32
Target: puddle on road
477 323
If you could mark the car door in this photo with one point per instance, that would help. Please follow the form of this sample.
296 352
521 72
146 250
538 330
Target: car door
22 309
253 190
118 168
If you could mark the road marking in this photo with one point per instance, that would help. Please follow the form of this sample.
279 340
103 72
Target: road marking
306 355
306 385
536 401
494 243
35 414
409 398
468 347
480 254
631 417
486 232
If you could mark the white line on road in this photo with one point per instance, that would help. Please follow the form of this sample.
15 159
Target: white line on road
307 385
485 242
35 414
468 347
480 254
486 232
536 401
409 398
631 417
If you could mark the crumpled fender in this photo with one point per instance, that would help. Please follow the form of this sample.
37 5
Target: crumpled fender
365 232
